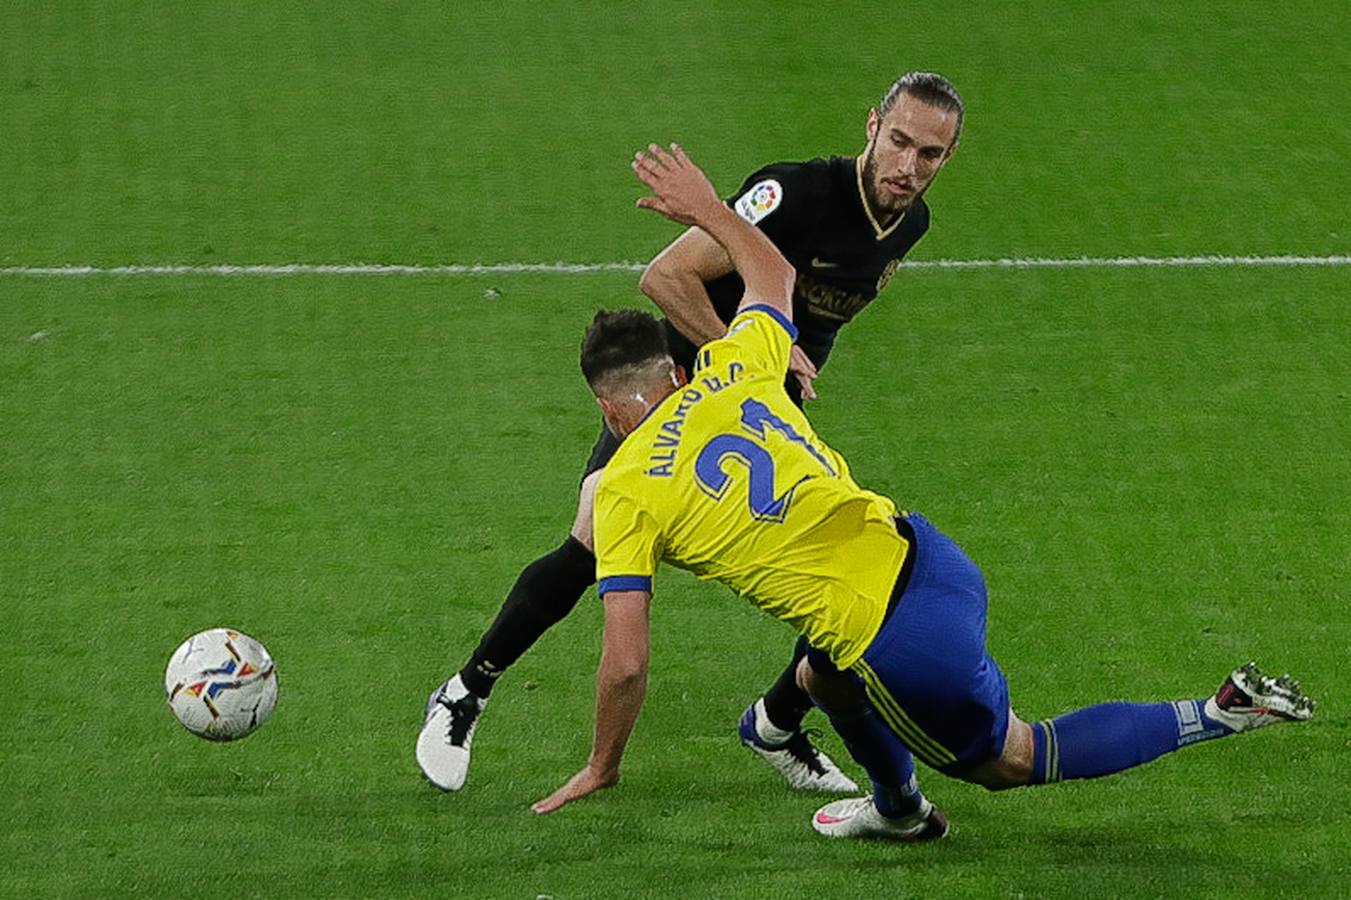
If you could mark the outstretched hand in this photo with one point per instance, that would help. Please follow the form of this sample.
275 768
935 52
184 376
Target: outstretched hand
804 370
585 782
682 191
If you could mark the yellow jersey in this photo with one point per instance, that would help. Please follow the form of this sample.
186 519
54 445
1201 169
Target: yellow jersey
727 479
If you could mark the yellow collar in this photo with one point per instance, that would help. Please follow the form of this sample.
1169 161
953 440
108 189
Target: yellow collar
867 210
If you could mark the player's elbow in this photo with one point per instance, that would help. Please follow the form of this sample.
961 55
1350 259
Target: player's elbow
779 280
625 663
656 279
787 279
626 675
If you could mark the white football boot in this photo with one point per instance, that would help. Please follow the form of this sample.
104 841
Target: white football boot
802 765
447 733
1248 699
858 818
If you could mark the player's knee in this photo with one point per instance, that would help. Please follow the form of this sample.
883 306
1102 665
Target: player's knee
804 674
1001 777
583 523
835 692
1013 767
1018 755
582 532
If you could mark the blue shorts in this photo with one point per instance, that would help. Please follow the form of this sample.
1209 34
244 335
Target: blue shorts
927 673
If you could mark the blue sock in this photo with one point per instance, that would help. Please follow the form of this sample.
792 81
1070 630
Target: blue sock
1111 737
890 767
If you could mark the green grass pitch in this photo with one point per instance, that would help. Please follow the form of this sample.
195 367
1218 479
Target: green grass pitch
1151 465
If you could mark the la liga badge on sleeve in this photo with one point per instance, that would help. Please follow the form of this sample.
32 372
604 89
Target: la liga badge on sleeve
762 199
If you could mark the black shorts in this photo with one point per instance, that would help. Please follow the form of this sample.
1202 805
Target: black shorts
606 445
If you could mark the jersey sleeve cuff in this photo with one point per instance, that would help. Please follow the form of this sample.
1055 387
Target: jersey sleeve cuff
624 583
776 315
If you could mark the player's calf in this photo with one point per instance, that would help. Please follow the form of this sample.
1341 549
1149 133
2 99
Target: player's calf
1112 737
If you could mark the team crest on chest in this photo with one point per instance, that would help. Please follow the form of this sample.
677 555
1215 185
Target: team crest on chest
762 199
887 273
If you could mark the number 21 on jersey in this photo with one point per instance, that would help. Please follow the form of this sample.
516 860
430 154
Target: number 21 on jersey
758 420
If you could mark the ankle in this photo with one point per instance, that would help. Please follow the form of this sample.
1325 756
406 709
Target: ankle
765 728
479 677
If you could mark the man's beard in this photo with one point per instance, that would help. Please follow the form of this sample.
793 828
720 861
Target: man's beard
880 202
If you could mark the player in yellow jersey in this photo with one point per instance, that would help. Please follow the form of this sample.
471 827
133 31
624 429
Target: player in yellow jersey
721 474
728 433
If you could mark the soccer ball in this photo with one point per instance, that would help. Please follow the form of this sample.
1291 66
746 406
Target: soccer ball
221 684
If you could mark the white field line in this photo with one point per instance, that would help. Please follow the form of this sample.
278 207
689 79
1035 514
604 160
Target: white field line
561 268
274 271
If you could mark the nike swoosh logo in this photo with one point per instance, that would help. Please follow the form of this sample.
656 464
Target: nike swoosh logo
819 263
829 820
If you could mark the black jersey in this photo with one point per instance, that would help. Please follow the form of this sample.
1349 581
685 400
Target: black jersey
816 214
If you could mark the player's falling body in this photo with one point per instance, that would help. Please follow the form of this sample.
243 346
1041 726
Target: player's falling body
725 476
845 223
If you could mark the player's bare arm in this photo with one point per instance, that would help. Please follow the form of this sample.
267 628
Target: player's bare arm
621 685
675 280
684 194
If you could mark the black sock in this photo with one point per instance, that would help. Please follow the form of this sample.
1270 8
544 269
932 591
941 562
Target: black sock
785 703
546 591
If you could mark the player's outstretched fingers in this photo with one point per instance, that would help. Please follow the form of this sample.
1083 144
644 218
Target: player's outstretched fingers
654 204
645 164
808 391
549 804
646 175
661 155
653 181
799 361
585 782
682 191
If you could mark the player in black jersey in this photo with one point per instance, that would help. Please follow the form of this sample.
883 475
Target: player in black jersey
844 223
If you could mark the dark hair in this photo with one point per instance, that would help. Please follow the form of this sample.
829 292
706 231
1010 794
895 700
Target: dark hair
621 338
932 89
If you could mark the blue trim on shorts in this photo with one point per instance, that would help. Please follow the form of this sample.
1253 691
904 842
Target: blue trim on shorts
927 672
931 659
